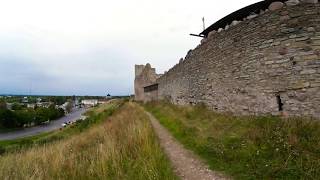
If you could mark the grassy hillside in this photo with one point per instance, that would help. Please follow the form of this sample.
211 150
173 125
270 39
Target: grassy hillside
123 146
246 147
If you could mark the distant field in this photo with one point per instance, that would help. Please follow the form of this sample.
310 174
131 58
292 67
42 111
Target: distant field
245 147
122 146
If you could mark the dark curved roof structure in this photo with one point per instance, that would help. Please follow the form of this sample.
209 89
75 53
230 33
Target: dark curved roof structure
239 15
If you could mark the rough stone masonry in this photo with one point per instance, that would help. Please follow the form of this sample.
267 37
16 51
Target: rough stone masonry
266 64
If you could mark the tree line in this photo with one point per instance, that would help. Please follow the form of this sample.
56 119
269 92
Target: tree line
21 116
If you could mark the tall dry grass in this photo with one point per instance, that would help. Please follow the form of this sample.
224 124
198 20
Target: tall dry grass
124 147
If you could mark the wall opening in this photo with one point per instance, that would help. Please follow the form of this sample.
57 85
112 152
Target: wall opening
279 102
153 87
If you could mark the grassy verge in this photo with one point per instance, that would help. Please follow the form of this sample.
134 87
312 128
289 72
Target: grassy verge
245 147
95 116
122 147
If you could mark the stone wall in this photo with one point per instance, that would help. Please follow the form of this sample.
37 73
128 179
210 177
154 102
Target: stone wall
150 96
259 66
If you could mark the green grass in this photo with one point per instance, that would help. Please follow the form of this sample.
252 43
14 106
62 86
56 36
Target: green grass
48 137
122 146
245 147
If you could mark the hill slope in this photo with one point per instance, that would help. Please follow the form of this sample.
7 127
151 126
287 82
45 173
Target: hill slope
123 147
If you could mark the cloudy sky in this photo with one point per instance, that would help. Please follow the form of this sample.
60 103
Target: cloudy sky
90 47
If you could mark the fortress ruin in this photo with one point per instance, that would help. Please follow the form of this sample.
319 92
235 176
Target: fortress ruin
262 59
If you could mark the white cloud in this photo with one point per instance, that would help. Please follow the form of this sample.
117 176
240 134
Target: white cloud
77 44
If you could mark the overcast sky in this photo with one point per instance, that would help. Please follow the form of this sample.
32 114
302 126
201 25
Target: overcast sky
90 47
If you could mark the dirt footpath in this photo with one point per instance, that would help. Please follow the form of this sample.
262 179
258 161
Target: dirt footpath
186 165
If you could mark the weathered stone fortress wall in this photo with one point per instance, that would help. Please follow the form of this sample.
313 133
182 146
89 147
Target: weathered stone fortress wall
255 66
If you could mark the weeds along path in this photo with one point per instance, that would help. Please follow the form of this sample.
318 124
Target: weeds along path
186 165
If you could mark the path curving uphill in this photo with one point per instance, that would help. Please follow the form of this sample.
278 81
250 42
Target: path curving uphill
186 165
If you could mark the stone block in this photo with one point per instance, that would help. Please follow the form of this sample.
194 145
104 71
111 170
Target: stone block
252 16
315 84
264 46
211 33
283 13
310 57
276 6
203 40
316 42
311 29
302 38
282 61
308 71
288 30
310 1
300 85
269 62
235 22
292 2
284 18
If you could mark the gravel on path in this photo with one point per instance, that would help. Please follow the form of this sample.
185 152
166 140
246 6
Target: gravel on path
186 165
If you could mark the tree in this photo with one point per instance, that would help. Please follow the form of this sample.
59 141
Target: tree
17 106
41 115
26 116
3 104
58 100
17 118
8 119
60 112
54 113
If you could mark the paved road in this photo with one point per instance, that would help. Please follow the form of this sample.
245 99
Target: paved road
53 125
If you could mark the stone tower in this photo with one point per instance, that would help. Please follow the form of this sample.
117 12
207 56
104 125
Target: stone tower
144 76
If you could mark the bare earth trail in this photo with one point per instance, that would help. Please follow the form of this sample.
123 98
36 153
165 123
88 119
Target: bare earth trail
186 165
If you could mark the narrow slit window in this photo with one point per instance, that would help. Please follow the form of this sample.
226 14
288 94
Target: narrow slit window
280 104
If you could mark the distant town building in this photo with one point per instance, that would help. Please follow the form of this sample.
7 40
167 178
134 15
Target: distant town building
39 100
9 106
89 102
103 101
64 106
32 105
109 96
44 104
25 100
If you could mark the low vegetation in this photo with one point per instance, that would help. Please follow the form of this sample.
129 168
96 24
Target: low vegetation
245 147
95 116
26 116
122 146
